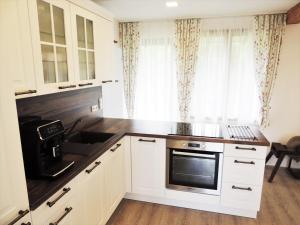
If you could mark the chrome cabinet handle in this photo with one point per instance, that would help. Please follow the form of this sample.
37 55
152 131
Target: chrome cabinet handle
25 92
106 81
86 84
21 214
90 170
242 148
67 211
68 86
114 149
144 140
244 162
242 188
65 191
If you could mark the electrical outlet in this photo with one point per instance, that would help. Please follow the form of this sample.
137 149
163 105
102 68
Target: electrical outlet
95 108
100 102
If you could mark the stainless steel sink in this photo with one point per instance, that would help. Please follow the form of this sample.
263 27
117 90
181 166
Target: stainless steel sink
84 137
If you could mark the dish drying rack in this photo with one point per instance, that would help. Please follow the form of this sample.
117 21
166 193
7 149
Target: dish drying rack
238 132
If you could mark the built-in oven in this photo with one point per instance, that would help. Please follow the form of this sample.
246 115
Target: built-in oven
194 166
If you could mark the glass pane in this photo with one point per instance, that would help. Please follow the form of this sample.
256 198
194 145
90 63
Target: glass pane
82 65
62 64
80 31
48 64
194 171
44 21
90 34
59 25
91 63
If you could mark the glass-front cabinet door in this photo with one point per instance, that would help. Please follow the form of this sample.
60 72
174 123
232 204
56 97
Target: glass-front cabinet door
83 24
53 53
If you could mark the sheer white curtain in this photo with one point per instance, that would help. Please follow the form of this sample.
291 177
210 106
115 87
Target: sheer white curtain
225 89
156 87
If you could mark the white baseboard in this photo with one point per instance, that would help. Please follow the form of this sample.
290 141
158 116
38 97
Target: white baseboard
192 205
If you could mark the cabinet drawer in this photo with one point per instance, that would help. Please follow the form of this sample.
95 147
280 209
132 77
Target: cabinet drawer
56 201
63 214
238 169
246 151
145 140
241 196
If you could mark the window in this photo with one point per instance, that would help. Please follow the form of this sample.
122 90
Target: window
156 87
225 89
224 86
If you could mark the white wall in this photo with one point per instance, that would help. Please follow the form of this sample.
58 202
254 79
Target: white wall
285 103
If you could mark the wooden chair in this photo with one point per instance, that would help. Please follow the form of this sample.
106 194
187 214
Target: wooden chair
280 151
294 157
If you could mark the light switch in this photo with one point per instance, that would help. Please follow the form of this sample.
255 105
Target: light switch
95 108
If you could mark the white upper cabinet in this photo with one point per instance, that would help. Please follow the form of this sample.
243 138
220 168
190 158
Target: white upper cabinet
104 34
24 80
60 46
93 47
52 44
85 53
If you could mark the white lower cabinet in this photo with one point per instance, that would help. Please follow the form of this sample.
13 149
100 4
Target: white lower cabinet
245 171
241 196
59 207
91 191
114 177
137 165
243 174
91 197
148 157
101 187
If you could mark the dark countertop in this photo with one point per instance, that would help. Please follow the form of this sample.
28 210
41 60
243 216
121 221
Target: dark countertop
42 189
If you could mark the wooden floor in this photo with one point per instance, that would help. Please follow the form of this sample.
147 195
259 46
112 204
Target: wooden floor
280 206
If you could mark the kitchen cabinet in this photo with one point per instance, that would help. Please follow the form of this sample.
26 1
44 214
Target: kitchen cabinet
148 165
24 79
52 44
239 190
93 47
84 31
127 163
13 191
92 191
105 60
60 46
114 177
60 206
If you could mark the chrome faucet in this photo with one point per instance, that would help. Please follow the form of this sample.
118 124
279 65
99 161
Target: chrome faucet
70 130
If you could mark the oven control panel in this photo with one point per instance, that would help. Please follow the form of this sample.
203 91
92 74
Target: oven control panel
195 145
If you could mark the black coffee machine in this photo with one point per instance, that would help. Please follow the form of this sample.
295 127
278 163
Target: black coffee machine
42 143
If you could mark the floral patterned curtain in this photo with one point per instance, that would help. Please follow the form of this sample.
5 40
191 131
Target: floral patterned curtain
269 30
187 42
129 40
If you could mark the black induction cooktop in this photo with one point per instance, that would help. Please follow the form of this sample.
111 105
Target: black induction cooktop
210 130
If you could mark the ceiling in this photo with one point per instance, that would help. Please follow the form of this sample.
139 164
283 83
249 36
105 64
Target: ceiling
137 10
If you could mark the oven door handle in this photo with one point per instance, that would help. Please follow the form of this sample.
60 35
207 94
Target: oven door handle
208 156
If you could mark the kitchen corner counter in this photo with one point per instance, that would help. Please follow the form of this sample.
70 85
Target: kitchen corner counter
163 129
40 190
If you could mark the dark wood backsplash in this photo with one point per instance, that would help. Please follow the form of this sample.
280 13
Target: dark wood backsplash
65 106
